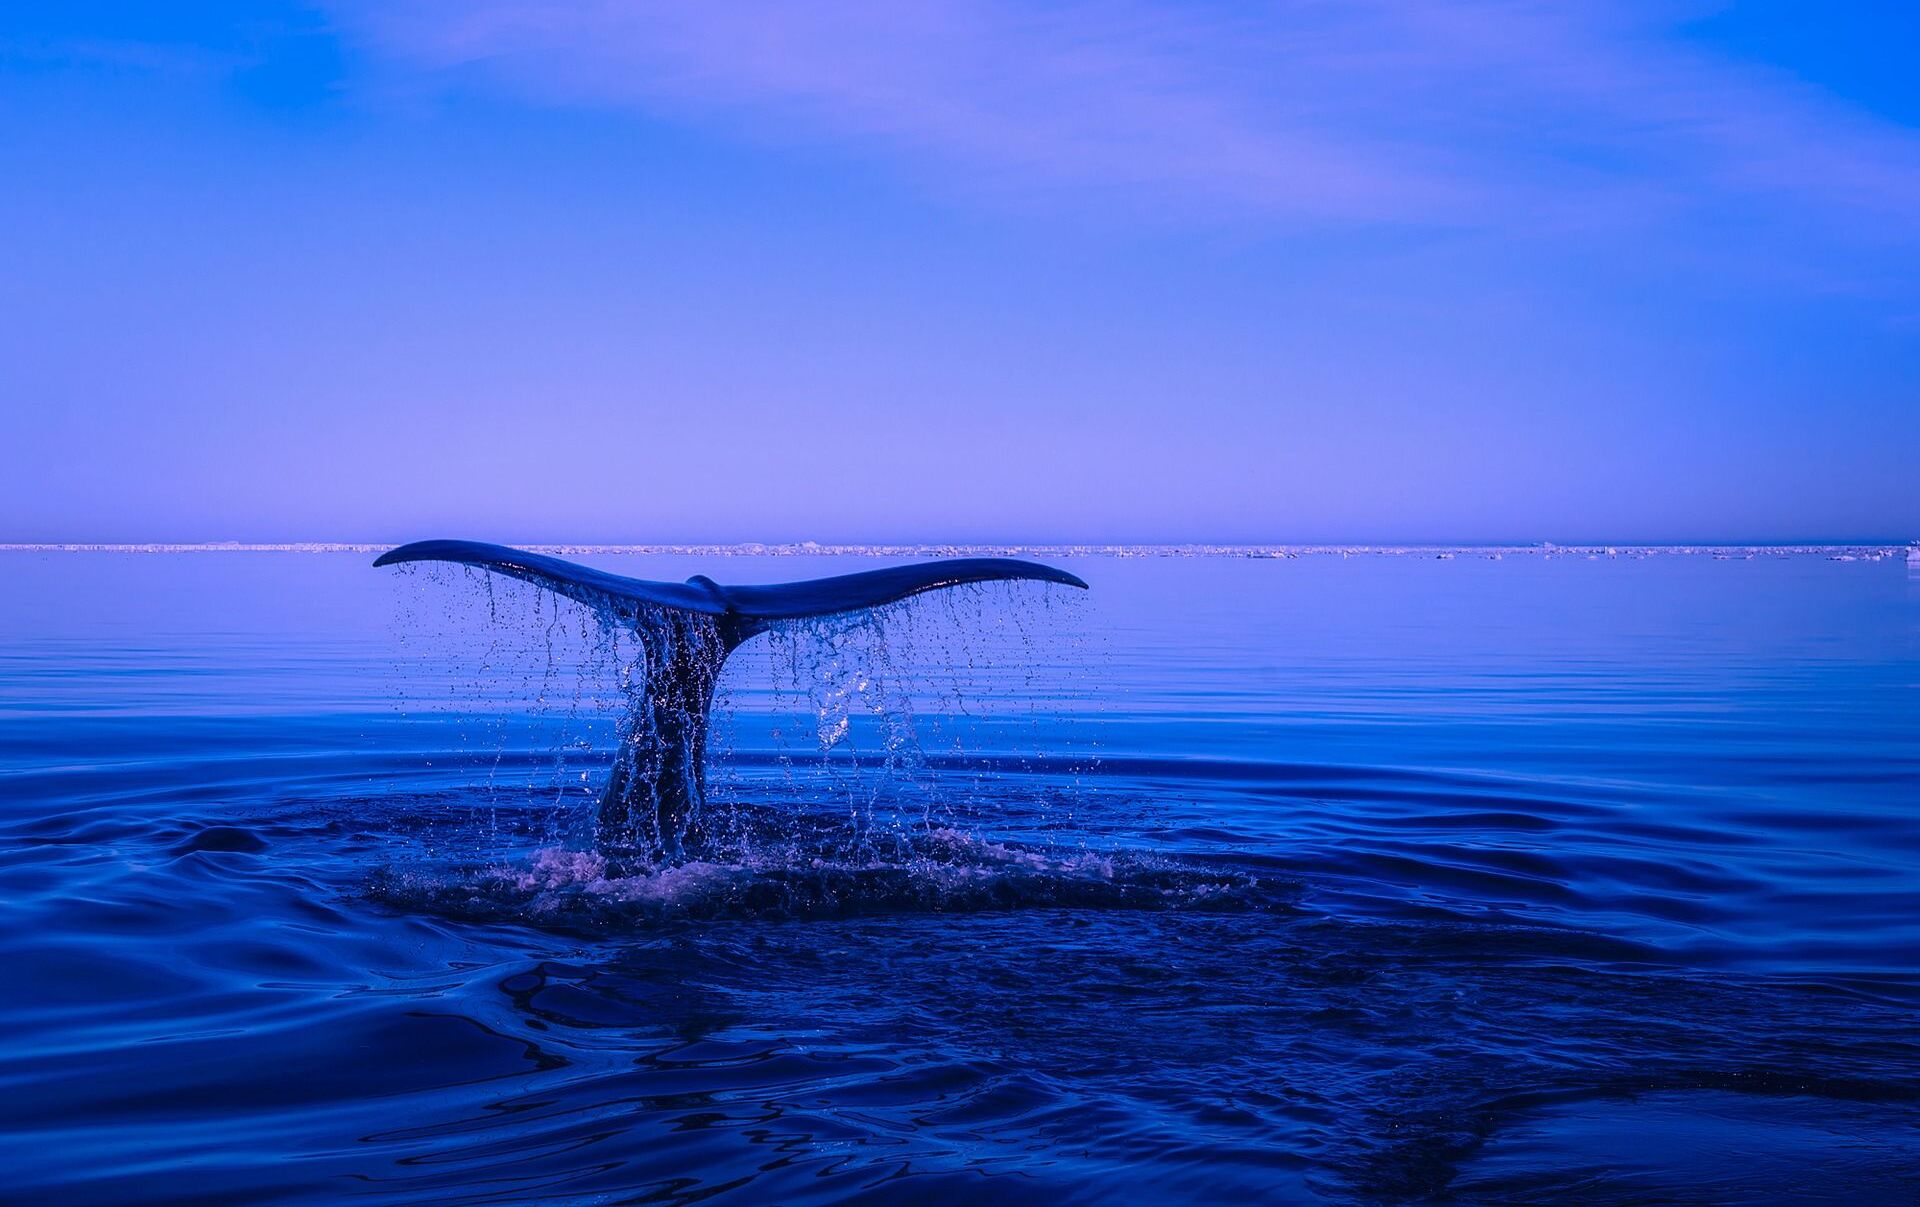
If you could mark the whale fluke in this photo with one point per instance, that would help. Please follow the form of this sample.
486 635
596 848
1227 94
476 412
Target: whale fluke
570 579
654 797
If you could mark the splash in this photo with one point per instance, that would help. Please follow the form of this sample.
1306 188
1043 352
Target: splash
655 797
944 871
850 762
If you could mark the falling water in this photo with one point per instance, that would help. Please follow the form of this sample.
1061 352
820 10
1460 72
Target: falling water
844 761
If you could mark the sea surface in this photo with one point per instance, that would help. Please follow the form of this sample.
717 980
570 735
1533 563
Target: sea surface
1345 880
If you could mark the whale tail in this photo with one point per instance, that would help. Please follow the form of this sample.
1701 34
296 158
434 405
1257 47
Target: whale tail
654 797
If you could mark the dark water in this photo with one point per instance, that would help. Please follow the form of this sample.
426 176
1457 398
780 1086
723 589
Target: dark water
1323 880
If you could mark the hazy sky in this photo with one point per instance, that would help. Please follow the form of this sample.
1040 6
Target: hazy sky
959 269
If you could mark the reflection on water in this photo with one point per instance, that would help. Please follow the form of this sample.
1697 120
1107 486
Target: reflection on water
1362 880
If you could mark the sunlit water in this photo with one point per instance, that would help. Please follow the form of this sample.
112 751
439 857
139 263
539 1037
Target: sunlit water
1375 879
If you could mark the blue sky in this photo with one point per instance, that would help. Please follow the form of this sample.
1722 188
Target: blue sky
959 270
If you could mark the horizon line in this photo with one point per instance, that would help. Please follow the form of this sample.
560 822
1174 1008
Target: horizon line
1055 548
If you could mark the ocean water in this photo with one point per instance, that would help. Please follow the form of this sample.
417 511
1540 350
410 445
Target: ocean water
1370 879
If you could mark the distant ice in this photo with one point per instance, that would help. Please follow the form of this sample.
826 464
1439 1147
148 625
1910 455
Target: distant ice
1833 552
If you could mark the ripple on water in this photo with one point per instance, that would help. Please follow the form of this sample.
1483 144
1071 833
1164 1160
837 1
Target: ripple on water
1785 1148
1573 885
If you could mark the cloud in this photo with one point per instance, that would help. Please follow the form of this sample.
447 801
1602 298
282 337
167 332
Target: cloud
1398 111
